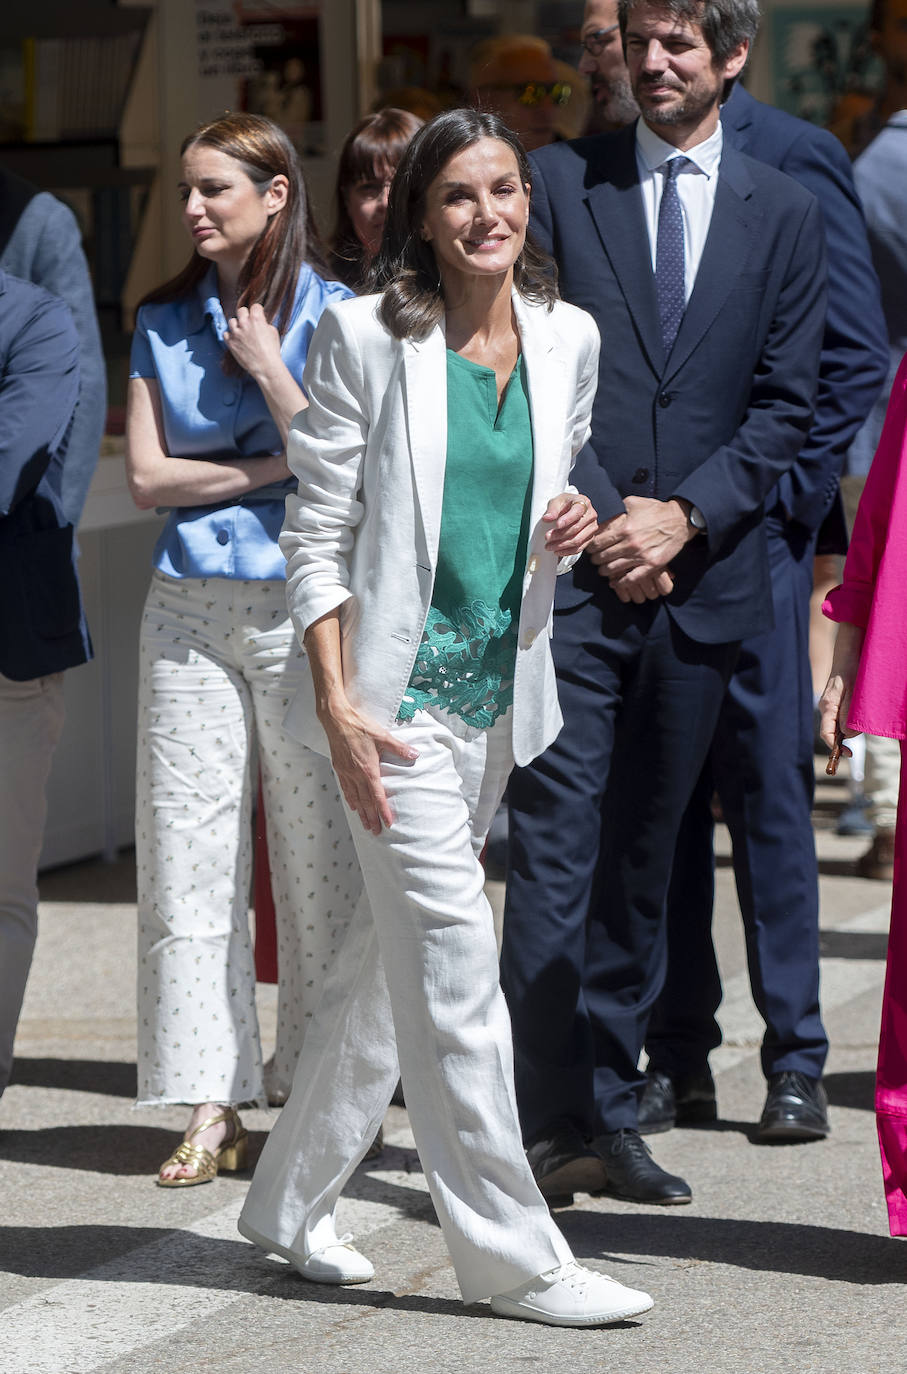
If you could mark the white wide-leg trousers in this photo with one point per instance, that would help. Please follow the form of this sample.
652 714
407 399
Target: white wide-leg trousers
416 983
31 721
219 666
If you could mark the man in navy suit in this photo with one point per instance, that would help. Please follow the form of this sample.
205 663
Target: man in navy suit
42 623
761 761
708 283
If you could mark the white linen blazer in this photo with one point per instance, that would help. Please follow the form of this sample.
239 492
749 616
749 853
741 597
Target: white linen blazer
362 533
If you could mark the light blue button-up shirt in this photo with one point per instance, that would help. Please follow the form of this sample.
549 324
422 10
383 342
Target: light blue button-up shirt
208 414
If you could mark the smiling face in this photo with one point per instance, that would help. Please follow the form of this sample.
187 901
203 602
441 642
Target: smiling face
223 209
676 81
476 213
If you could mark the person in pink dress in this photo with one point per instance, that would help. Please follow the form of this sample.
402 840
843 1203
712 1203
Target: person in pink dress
867 692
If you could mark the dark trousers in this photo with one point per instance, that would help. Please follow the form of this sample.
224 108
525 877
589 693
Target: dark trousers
761 766
593 823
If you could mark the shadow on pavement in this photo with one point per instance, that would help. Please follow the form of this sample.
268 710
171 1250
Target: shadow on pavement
118 1150
114 1078
853 944
120 1255
779 1247
851 1089
130 1151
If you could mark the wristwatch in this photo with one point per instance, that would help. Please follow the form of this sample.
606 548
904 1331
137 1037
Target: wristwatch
697 519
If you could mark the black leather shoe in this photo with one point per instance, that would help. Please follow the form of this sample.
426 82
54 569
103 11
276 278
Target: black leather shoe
632 1174
676 1101
563 1164
796 1108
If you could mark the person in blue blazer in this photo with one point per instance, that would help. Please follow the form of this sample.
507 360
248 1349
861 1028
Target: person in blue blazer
40 241
706 388
761 761
42 622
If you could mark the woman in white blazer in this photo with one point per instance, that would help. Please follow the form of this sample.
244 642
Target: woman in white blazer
433 506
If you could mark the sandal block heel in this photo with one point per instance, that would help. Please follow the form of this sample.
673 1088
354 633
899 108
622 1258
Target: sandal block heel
235 1156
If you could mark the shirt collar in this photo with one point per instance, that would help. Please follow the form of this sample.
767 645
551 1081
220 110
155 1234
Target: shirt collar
654 150
205 304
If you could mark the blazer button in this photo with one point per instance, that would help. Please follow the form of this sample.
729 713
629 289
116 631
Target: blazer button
223 537
664 399
641 475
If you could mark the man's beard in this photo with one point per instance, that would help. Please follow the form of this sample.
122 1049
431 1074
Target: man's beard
688 111
620 108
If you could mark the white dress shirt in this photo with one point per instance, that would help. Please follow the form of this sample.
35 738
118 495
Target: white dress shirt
696 184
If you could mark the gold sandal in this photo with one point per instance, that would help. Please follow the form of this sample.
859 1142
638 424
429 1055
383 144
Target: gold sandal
230 1156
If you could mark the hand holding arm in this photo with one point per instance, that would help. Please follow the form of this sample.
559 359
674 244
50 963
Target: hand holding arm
634 550
356 744
255 344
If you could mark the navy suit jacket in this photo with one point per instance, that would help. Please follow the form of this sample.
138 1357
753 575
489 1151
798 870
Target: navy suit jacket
42 624
726 413
854 361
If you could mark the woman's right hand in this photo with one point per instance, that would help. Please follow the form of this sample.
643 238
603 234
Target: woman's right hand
356 748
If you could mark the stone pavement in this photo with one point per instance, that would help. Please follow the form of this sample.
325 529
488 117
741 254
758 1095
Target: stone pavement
782 1263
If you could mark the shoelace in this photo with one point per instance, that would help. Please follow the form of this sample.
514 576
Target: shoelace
628 1140
791 1080
573 1274
332 1245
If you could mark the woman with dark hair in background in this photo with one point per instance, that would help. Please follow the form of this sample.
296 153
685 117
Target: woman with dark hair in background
215 375
368 160
422 548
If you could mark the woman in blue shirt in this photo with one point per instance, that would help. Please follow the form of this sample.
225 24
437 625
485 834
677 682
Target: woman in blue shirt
216 362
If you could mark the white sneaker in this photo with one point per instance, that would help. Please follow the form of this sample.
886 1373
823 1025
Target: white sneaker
572 1296
338 1262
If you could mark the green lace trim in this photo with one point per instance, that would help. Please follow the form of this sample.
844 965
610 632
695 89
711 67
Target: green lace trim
464 665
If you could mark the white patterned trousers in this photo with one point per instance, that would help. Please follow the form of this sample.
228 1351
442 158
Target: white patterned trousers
219 666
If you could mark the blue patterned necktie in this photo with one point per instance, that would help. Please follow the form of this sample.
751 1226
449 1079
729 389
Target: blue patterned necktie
669 256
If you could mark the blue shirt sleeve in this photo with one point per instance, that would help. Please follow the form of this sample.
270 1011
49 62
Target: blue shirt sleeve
141 362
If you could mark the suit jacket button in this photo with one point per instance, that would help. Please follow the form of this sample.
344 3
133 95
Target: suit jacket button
664 399
641 475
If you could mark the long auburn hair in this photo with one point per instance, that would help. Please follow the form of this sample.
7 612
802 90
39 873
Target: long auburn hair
371 150
289 238
405 269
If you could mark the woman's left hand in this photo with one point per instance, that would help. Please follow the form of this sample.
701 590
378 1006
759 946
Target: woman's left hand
573 522
253 341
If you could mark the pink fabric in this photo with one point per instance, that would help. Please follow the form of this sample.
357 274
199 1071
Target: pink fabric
875 576
872 595
891 1074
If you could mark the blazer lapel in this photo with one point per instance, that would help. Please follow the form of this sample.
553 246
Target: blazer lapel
547 401
615 202
733 233
425 370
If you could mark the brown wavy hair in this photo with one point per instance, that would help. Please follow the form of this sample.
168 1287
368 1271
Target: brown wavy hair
290 237
405 269
371 151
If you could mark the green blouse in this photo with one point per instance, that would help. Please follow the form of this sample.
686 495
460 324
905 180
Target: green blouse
465 662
